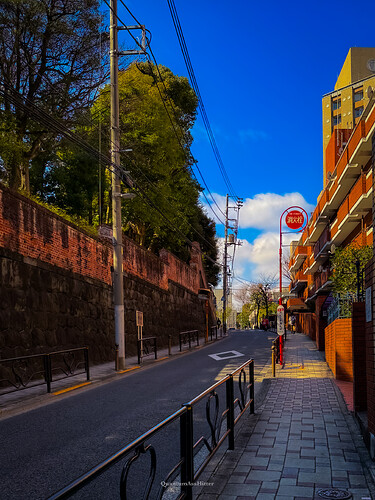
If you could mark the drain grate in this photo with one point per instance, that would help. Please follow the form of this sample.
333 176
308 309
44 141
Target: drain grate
334 493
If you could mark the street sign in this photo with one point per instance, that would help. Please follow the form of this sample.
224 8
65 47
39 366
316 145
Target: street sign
280 320
294 219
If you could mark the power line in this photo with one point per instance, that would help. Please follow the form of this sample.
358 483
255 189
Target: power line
185 53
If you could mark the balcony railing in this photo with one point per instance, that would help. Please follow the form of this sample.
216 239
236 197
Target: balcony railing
341 307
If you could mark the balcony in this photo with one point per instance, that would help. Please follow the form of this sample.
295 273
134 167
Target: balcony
300 254
299 282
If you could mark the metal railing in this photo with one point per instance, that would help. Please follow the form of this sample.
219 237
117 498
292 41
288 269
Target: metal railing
213 332
146 347
340 307
186 338
187 469
30 371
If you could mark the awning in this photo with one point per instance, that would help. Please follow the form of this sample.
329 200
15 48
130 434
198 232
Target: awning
297 305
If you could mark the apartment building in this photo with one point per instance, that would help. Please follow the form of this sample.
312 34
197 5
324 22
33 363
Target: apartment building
343 215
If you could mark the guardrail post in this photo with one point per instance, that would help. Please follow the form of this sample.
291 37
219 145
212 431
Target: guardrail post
116 357
169 345
230 414
139 351
180 342
47 371
216 331
251 377
197 337
155 349
87 364
187 452
273 348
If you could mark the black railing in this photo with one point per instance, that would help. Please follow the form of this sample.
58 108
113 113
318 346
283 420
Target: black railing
146 347
30 371
213 332
188 468
186 338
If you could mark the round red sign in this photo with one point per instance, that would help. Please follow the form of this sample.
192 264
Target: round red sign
294 219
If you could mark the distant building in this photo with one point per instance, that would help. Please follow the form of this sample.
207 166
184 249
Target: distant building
231 311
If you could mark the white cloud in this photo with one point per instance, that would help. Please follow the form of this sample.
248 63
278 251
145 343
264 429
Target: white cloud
264 210
252 135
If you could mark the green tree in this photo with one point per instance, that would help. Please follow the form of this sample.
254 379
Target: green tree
51 55
343 263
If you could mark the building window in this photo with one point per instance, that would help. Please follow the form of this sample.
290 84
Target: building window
336 104
358 111
358 96
336 120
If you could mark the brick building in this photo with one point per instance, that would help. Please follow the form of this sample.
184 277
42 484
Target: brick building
343 215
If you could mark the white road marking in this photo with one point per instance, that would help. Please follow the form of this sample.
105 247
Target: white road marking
225 355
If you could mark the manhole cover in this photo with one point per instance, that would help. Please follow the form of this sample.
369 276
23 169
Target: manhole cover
334 493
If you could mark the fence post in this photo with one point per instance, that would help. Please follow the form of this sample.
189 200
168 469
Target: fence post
47 371
180 342
187 452
230 413
155 349
197 337
251 377
87 364
139 351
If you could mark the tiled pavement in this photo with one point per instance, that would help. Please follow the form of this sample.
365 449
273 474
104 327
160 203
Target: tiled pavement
302 439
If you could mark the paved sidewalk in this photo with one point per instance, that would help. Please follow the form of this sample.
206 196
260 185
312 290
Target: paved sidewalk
301 440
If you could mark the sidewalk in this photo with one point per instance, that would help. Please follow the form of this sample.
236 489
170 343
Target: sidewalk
303 439
23 400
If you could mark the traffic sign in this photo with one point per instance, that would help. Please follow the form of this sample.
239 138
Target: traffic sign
294 219
280 320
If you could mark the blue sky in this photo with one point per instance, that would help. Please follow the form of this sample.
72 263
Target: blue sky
262 68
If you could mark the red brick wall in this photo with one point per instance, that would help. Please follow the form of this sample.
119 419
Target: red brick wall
35 232
306 324
338 348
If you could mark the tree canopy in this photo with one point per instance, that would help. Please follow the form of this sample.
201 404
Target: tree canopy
343 262
50 54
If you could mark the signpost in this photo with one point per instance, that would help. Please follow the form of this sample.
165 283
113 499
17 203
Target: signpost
296 220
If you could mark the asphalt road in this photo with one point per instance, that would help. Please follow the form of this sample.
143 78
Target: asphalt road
46 448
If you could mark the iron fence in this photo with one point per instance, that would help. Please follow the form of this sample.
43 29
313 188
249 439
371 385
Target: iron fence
186 338
30 371
340 307
187 469
213 332
146 347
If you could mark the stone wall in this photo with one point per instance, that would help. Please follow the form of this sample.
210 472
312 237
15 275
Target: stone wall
56 292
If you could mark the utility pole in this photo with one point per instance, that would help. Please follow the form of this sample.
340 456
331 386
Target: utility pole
232 241
118 278
225 270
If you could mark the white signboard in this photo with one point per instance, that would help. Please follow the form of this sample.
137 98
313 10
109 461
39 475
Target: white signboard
280 320
368 304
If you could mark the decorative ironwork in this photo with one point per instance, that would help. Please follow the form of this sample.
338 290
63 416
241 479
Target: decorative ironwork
334 493
140 450
340 307
20 372
146 346
187 468
215 425
25 371
244 389
187 338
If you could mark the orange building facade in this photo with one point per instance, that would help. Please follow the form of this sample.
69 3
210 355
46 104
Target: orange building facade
343 215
